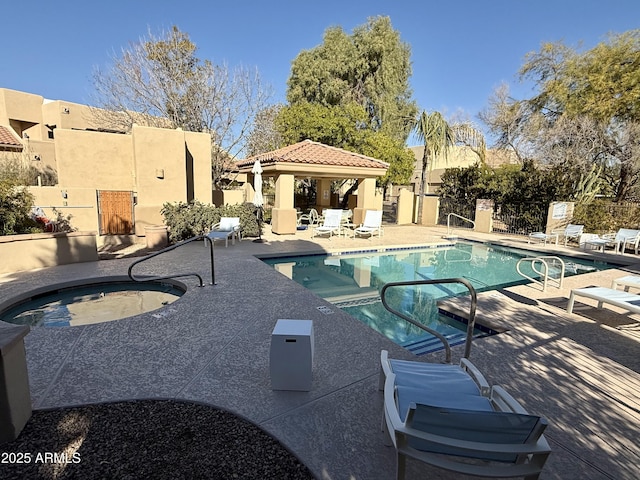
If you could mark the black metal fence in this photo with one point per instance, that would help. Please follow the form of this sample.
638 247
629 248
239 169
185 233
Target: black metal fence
601 216
449 205
517 219
520 219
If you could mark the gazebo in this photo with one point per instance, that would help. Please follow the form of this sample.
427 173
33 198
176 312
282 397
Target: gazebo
308 159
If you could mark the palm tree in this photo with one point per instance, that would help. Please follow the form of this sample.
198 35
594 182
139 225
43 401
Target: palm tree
438 136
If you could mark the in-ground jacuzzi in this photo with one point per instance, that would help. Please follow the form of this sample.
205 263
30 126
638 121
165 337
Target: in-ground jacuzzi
89 301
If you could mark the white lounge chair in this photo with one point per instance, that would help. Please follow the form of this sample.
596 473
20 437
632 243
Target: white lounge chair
371 225
571 231
330 225
227 228
625 300
628 281
439 415
545 237
625 237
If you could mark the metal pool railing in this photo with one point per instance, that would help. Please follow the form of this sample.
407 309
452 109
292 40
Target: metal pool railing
544 274
168 249
470 321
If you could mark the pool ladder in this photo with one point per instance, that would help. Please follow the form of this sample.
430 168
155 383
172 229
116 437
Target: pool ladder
450 234
168 249
471 321
542 261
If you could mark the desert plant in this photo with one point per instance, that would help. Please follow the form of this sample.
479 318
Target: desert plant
186 220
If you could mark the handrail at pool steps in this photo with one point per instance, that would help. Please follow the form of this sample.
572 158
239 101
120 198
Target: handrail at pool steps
542 260
168 249
450 230
470 321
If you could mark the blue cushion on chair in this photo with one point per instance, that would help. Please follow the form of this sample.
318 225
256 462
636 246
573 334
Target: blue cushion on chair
454 395
474 426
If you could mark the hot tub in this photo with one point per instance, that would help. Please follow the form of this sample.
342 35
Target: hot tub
90 301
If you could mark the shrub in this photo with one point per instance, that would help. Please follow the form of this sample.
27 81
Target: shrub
15 210
186 220
603 216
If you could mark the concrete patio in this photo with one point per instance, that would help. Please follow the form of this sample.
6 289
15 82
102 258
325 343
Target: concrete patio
580 370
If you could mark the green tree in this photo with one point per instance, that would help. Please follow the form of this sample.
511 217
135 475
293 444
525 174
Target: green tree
396 154
601 85
371 67
340 126
344 127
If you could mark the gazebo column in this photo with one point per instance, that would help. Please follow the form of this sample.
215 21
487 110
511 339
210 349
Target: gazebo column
283 216
323 197
366 199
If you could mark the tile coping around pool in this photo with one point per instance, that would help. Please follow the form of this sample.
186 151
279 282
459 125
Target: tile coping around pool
348 251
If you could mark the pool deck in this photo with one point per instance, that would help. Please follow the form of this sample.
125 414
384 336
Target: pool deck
581 371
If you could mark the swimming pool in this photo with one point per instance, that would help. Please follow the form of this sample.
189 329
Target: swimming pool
93 302
353 282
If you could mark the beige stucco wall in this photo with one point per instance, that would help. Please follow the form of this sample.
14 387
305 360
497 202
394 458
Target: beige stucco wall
406 206
22 107
162 159
198 146
28 252
41 153
103 161
232 197
67 115
81 203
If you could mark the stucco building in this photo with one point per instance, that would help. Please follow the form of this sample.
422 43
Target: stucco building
110 182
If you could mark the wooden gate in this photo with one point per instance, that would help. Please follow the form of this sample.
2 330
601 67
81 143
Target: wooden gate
115 210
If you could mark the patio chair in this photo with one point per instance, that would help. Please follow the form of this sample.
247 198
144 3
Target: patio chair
627 282
625 237
347 216
571 231
312 218
545 237
445 423
625 300
372 224
227 228
331 224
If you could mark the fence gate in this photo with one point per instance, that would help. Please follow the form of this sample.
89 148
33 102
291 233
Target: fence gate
115 212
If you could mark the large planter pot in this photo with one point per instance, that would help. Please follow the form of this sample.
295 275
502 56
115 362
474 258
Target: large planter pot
157 236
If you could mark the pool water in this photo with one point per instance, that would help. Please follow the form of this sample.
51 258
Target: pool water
353 282
97 303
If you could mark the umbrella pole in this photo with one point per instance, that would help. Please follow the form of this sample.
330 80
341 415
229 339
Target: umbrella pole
259 215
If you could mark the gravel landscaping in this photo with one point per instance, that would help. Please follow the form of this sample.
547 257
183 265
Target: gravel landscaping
150 439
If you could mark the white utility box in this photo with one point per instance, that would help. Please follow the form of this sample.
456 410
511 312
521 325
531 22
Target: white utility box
291 357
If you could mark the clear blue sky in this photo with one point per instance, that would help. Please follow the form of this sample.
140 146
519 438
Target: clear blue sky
461 50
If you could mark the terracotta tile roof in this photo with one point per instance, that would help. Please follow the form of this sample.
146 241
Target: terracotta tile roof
314 153
8 139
